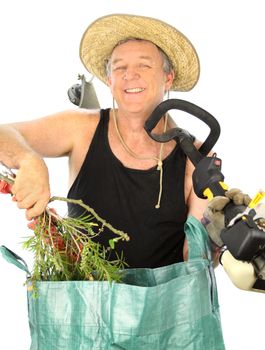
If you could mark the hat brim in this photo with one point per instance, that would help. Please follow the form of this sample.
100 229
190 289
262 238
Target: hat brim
102 36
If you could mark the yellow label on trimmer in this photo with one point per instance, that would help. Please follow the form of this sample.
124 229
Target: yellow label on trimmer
209 194
258 197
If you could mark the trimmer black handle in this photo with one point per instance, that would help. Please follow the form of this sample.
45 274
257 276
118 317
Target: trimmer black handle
190 108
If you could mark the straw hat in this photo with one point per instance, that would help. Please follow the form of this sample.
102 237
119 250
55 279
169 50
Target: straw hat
102 36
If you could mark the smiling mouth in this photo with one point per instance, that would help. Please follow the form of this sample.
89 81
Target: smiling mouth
134 90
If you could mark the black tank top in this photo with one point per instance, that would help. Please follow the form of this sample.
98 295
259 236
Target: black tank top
126 199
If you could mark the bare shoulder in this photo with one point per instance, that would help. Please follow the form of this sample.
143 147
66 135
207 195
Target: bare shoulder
82 122
83 127
59 133
79 120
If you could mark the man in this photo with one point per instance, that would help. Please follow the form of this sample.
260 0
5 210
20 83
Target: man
139 74
137 185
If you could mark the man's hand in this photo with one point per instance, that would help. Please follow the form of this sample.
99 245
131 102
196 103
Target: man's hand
31 188
213 217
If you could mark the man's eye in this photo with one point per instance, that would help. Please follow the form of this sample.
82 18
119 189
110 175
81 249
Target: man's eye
144 66
119 68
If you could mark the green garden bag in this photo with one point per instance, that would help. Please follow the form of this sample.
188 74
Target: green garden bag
168 308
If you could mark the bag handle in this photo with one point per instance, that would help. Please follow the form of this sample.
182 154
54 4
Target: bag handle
198 239
14 259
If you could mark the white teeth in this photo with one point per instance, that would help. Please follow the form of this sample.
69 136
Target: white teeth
135 90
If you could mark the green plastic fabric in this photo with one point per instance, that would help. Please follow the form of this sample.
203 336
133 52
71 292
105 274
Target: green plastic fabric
169 308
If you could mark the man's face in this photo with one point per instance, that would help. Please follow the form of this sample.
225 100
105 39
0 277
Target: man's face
137 79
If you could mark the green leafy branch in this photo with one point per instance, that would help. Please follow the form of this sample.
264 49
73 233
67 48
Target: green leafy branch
63 247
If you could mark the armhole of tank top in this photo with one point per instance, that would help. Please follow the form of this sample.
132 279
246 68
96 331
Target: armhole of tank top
104 115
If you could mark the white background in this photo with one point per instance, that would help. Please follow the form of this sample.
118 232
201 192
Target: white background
39 43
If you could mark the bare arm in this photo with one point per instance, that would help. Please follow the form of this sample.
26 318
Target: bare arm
51 136
22 146
31 188
196 208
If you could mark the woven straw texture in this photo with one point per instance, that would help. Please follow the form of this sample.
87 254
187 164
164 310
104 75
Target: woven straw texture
102 36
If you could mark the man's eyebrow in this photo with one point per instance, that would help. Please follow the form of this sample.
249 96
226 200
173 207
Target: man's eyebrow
116 60
146 57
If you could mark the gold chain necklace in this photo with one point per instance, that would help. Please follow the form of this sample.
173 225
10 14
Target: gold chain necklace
158 159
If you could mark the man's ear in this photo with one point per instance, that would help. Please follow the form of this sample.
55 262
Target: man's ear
109 83
169 80
108 80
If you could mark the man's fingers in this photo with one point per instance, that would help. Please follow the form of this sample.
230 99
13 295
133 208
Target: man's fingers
232 193
34 206
35 210
24 201
235 195
238 197
242 199
218 203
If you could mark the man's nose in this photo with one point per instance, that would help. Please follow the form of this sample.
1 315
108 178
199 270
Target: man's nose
130 74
